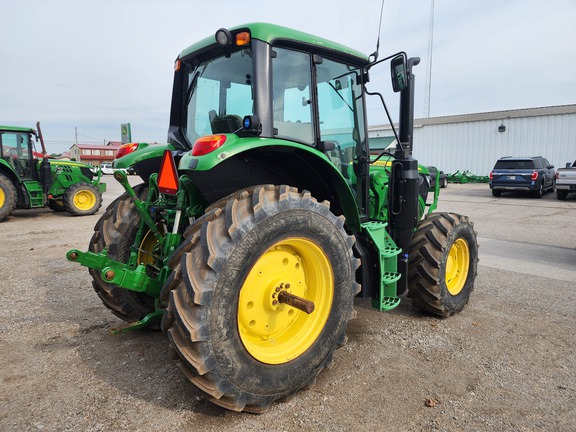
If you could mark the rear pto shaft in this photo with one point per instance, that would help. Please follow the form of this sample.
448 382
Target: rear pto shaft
296 302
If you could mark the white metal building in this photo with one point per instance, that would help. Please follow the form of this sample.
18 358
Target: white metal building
473 142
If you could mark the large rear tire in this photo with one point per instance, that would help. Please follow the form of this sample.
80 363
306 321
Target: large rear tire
235 340
116 231
82 199
7 197
443 263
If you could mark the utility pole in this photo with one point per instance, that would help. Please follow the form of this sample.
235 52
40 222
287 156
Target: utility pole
428 88
76 134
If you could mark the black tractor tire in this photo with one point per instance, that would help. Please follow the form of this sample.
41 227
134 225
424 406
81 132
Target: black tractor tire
561 194
443 261
82 199
496 193
116 231
56 205
213 301
7 197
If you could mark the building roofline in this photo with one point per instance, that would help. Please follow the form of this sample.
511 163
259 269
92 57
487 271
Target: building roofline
495 115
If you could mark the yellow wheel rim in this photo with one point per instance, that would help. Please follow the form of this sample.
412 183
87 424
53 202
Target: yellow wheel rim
148 246
2 198
457 266
274 332
84 200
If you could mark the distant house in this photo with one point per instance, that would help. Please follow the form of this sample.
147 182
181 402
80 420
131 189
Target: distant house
94 154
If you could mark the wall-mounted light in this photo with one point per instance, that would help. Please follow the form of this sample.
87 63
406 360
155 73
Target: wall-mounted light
502 128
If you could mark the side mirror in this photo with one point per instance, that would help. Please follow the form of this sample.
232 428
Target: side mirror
398 72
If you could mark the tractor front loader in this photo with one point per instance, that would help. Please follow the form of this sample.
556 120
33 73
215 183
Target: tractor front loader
265 215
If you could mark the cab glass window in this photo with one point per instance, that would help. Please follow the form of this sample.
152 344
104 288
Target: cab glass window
292 99
341 113
219 95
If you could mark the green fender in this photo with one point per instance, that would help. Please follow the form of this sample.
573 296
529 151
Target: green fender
145 151
273 155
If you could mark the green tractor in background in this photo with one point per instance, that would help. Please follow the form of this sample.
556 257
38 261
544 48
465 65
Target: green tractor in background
31 180
266 214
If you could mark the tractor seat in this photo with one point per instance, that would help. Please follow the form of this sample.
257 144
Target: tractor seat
225 123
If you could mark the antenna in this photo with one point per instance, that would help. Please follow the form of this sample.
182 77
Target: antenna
375 53
428 87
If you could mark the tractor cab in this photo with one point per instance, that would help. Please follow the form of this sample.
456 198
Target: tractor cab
265 81
17 149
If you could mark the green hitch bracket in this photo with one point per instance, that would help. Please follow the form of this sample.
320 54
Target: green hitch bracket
122 178
144 322
118 273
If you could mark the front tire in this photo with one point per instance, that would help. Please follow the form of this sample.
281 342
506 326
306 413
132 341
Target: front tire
7 197
116 231
561 194
56 205
443 263
82 199
234 339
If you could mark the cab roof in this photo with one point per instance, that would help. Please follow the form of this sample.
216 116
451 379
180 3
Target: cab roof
15 129
271 33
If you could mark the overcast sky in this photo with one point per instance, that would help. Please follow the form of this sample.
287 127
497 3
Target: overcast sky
93 65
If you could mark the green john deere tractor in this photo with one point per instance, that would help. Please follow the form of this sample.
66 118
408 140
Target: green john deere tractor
30 180
266 214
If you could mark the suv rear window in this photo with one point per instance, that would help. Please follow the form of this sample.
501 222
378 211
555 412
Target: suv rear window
514 164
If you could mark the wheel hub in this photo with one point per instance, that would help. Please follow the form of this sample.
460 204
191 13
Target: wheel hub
287 279
84 200
457 265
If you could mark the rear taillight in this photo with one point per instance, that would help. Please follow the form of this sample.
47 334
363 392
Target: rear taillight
534 175
124 149
491 175
207 144
557 177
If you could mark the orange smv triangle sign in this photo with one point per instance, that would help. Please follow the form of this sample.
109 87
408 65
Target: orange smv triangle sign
168 176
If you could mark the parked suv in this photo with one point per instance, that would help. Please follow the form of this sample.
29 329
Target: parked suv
533 174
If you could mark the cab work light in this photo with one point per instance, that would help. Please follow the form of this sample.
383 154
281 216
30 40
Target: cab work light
168 176
207 144
225 38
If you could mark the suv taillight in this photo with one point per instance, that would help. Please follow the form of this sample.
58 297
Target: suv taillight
534 175
557 175
491 175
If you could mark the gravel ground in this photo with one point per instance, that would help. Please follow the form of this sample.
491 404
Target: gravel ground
505 363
